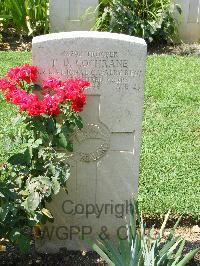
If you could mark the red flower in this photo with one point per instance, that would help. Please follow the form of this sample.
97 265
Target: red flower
26 72
55 93
51 83
79 102
6 84
28 101
16 96
76 84
60 95
71 94
35 109
50 105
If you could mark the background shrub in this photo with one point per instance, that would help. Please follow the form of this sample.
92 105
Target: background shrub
152 20
27 16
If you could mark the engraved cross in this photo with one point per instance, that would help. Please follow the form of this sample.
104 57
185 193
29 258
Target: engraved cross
94 147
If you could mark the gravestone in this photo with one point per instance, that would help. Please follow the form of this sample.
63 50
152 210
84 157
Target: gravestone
189 20
70 15
105 161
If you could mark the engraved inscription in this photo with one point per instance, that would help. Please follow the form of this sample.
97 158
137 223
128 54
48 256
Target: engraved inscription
91 143
96 66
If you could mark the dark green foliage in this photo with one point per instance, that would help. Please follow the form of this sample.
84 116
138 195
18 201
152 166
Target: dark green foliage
33 167
151 20
32 176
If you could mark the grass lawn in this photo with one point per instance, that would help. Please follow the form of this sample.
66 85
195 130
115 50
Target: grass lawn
170 160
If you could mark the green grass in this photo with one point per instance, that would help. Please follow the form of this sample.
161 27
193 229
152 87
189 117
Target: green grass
170 159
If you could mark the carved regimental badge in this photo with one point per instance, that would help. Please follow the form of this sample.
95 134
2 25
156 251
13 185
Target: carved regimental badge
91 142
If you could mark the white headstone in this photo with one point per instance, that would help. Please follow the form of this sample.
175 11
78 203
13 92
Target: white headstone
188 20
105 162
70 15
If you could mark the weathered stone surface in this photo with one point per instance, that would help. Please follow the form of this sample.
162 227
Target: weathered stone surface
105 162
70 15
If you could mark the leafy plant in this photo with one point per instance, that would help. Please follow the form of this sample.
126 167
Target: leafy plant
31 177
142 248
151 20
27 17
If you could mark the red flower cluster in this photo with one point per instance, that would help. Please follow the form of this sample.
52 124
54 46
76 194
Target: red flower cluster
26 73
54 92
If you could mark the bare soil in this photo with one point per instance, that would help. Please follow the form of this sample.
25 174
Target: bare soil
12 256
12 41
183 49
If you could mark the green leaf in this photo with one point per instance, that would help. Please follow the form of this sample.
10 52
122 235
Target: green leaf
167 247
59 128
24 243
137 251
102 255
51 129
37 143
23 159
62 141
55 185
167 250
113 252
125 250
172 231
32 201
180 250
70 147
175 261
4 210
79 122
188 257
15 234
100 251
2 195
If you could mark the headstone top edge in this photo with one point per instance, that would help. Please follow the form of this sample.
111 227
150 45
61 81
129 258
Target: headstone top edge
88 34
